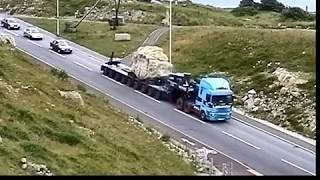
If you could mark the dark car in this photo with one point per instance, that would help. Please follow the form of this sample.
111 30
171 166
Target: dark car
10 23
60 46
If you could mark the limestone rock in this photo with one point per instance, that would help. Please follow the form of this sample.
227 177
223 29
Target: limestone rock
150 62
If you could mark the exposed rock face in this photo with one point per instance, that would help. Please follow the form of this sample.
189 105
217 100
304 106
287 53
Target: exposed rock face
150 62
72 95
7 39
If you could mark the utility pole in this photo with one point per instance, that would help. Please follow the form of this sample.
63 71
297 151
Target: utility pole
58 22
170 31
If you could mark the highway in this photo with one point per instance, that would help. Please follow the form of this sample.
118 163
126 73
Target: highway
255 149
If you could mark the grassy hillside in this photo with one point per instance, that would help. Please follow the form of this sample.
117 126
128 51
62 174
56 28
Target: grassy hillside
36 122
189 15
245 55
99 37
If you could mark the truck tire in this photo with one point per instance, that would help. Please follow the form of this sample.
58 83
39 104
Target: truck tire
203 116
105 71
136 85
150 92
111 74
179 103
129 82
144 88
187 107
124 80
157 95
117 76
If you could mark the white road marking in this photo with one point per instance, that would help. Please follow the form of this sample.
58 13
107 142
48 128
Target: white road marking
34 43
79 64
254 172
147 96
136 109
282 139
187 141
112 80
296 166
243 141
56 53
177 110
11 32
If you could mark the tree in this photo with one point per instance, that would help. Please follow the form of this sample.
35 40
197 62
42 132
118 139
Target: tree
116 21
296 13
271 5
248 3
244 11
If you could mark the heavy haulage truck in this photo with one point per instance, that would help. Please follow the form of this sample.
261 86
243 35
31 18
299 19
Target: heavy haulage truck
209 98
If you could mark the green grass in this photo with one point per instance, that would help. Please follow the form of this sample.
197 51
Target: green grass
99 37
34 122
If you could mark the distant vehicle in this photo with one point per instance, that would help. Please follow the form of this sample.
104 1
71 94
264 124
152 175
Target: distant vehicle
60 46
10 23
32 33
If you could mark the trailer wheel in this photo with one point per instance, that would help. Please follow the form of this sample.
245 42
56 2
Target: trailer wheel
187 107
136 85
179 103
124 80
150 92
144 88
157 95
105 71
117 76
110 73
129 82
203 116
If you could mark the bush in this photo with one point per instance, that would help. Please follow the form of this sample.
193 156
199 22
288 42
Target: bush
165 138
296 13
81 88
60 74
244 11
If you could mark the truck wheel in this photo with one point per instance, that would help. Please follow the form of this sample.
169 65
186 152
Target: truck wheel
129 82
179 103
150 92
187 107
157 95
144 88
124 80
110 74
117 77
136 85
203 116
105 71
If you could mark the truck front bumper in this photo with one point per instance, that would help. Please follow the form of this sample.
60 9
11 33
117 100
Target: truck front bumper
219 116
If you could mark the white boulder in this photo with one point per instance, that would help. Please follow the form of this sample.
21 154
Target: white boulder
150 62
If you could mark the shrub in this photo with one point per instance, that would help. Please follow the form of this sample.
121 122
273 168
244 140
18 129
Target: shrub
165 138
60 74
296 13
244 11
81 88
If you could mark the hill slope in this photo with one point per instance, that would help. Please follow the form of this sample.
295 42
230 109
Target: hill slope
36 122
139 12
251 57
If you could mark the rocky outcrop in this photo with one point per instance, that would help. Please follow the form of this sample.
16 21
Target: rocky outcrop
150 62
7 39
289 106
72 95
34 168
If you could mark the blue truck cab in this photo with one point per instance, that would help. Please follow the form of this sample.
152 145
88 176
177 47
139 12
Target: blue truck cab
214 99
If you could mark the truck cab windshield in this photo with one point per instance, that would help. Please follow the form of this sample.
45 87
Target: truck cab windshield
222 100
